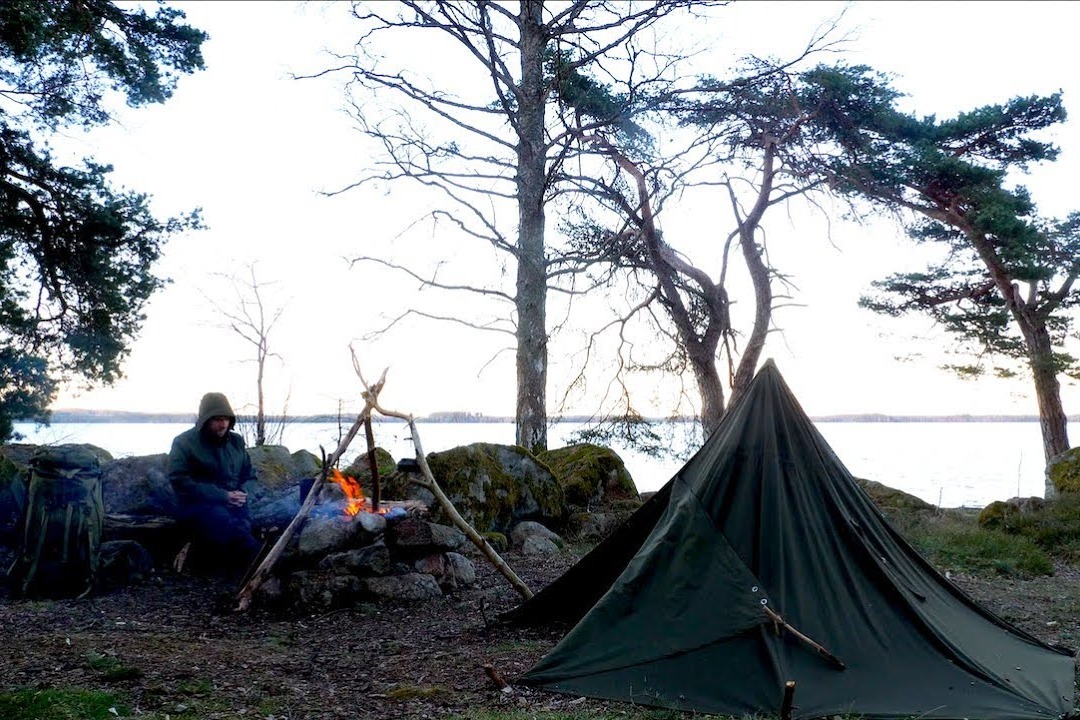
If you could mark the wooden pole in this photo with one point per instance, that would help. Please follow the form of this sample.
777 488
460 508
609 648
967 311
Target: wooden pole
243 598
373 465
789 698
775 617
372 397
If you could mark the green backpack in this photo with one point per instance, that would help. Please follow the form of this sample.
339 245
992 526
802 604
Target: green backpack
64 517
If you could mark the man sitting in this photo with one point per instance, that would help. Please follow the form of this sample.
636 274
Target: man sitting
208 467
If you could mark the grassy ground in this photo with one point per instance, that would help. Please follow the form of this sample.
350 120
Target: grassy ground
160 652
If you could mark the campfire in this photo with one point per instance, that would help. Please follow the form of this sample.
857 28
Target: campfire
354 494
356 502
400 514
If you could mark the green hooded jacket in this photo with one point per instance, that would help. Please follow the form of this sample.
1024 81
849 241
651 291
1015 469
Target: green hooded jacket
203 468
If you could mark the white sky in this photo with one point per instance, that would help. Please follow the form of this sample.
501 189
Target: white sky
252 147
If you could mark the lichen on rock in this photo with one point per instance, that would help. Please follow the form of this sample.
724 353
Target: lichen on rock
590 475
494 486
1064 471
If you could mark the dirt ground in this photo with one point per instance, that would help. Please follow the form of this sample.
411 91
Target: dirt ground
170 648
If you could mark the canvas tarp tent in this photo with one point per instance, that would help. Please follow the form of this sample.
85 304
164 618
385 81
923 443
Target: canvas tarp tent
766 516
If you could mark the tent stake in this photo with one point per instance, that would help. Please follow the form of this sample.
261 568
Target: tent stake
789 697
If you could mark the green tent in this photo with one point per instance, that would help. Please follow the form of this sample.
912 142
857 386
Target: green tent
761 563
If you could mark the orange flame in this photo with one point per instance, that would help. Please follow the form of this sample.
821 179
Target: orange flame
354 495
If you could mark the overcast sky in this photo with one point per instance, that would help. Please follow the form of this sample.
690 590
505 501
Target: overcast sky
253 147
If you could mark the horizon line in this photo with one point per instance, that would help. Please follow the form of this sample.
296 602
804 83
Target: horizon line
83 415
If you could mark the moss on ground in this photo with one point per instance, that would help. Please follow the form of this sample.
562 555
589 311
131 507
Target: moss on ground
60 704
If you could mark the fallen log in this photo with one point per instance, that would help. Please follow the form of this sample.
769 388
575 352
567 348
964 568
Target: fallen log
119 522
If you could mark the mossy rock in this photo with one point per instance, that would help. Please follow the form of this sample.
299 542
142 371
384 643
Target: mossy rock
13 487
995 515
361 469
1053 525
494 486
1064 471
591 475
399 486
497 541
278 468
1001 514
893 500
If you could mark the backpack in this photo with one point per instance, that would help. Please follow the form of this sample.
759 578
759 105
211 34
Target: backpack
64 516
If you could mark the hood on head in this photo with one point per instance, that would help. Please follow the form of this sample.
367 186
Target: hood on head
214 404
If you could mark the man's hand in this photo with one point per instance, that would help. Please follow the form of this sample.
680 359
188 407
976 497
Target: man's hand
236 498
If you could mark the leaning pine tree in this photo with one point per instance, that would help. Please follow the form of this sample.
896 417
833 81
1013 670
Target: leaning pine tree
1005 285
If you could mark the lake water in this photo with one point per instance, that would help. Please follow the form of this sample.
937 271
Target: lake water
948 464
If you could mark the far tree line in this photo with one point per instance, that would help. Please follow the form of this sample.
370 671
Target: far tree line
589 112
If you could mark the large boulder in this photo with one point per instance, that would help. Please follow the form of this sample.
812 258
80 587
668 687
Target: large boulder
13 488
1063 471
591 476
496 486
1001 514
892 500
360 468
138 486
278 469
18 454
274 497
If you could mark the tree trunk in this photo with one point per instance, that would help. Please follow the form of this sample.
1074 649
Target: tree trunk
531 297
260 412
711 390
1040 350
763 304
759 275
1052 418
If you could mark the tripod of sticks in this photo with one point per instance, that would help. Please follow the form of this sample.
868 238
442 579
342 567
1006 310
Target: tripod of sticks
370 396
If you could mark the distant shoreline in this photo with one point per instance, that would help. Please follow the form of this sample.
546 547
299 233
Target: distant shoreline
114 416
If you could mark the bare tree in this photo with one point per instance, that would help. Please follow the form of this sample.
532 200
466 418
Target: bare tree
484 139
746 140
250 318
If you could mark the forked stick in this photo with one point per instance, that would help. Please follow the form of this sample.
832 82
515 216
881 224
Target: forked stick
243 597
371 402
429 482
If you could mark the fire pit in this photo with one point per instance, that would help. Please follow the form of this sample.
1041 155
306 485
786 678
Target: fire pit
344 552
353 501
